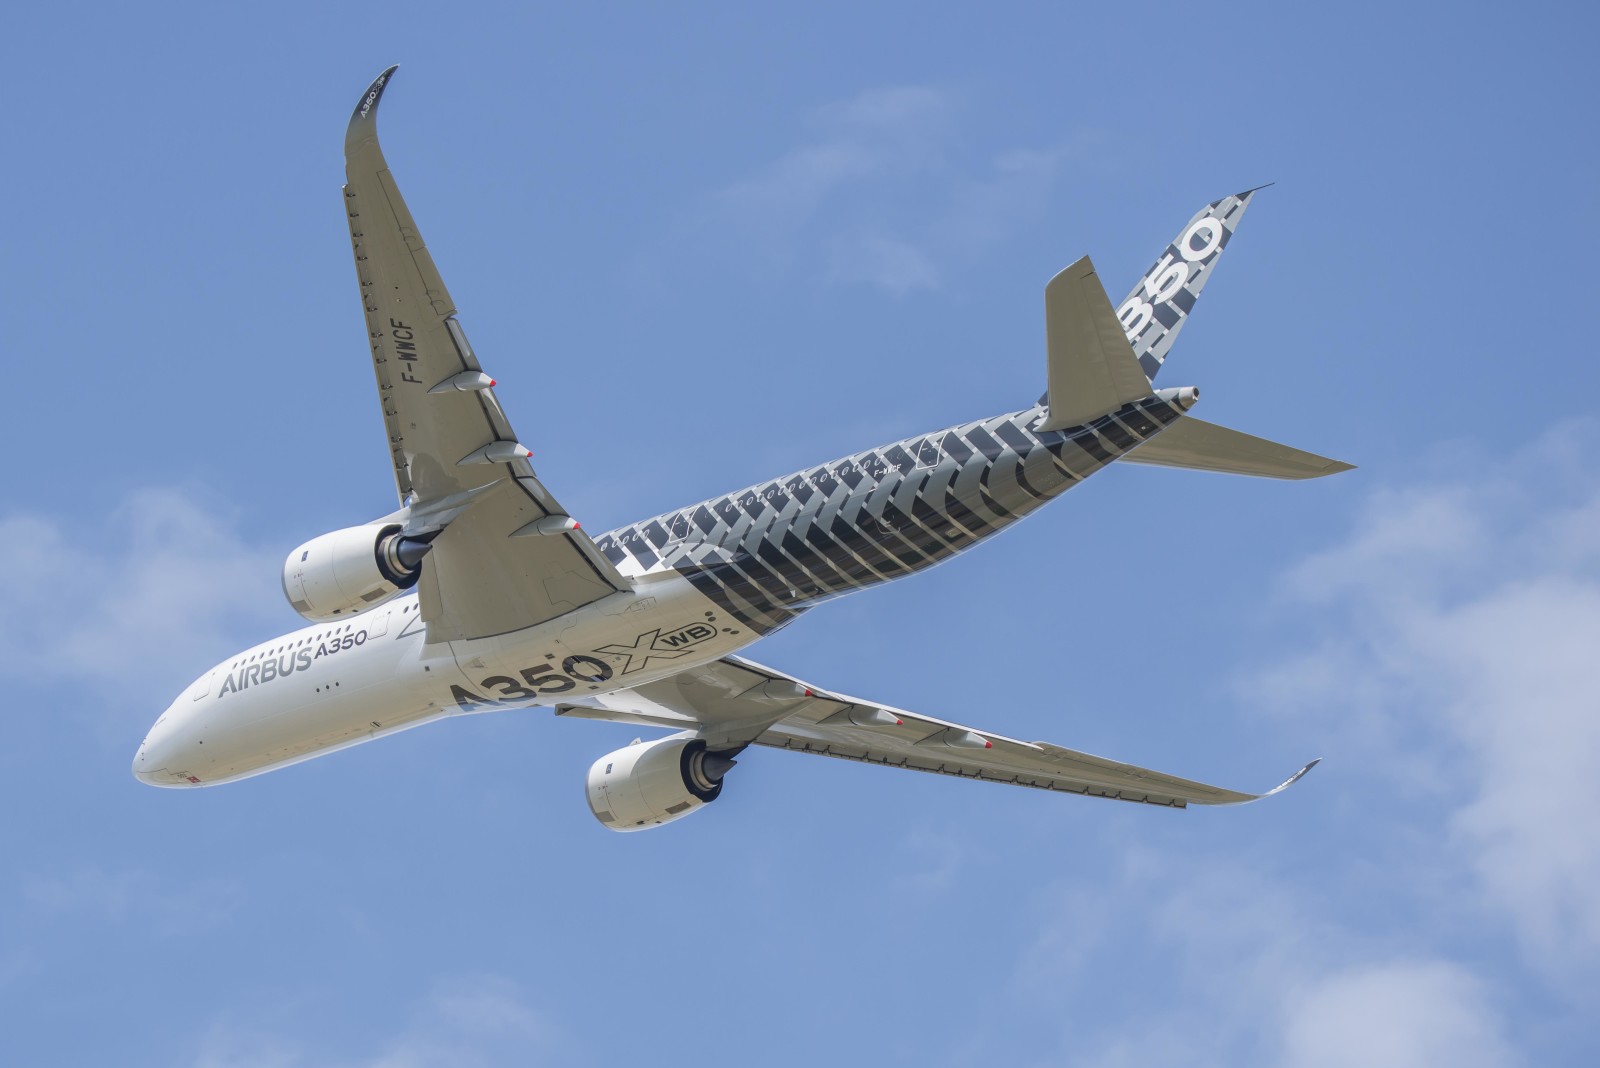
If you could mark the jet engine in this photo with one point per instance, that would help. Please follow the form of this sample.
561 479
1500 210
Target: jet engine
352 570
648 784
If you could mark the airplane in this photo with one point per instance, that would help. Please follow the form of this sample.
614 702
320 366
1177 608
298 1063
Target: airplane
481 592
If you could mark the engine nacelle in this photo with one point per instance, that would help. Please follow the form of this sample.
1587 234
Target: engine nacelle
351 570
652 783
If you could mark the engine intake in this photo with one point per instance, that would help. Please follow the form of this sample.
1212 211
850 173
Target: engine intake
352 570
649 784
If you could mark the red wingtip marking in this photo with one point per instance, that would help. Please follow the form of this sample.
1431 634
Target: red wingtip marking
491 381
576 525
899 723
808 693
988 744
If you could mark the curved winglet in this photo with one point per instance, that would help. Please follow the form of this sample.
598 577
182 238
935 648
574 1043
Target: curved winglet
364 119
1285 784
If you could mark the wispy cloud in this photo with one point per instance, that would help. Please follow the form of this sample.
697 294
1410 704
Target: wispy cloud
876 259
881 132
89 894
883 190
931 863
463 1022
471 1021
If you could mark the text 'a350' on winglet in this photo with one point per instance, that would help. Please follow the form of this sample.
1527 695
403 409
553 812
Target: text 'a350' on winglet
364 119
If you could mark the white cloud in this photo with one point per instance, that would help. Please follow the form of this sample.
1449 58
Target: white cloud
463 1022
1236 965
1465 622
135 599
1399 1014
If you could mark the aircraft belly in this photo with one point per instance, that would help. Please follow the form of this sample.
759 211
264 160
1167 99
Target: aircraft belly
663 627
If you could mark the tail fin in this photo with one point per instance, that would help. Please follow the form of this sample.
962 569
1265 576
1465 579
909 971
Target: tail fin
1155 311
1202 446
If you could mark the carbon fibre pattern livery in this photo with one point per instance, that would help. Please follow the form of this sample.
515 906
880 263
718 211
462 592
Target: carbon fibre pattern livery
769 552
1159 305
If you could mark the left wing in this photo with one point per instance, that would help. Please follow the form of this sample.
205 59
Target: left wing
734 702
510 556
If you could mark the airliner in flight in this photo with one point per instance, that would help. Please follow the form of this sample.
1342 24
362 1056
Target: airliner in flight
481 592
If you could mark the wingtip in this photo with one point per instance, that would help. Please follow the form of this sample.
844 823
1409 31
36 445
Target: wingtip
364 119
1255 189
1291 780
1329 467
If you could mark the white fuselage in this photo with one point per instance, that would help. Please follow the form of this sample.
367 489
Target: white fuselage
332 685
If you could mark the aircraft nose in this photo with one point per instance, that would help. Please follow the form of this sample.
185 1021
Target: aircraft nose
139 771
153 763
143 769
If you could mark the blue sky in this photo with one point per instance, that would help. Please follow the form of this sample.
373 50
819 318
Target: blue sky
704 245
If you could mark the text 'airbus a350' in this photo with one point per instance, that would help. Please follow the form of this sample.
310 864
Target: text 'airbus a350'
481 592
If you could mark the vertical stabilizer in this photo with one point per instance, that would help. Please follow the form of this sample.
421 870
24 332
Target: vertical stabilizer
1155 311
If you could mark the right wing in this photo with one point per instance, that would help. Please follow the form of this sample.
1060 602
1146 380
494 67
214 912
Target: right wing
734 702
510 556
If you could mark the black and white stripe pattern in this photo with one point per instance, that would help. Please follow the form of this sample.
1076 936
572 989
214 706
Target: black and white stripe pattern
769 552
1160 304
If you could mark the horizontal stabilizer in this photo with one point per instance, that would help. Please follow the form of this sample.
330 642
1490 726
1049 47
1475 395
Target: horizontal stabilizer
1092 367
1202 446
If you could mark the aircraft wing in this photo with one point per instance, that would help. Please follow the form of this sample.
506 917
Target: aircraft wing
734 701
510 557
